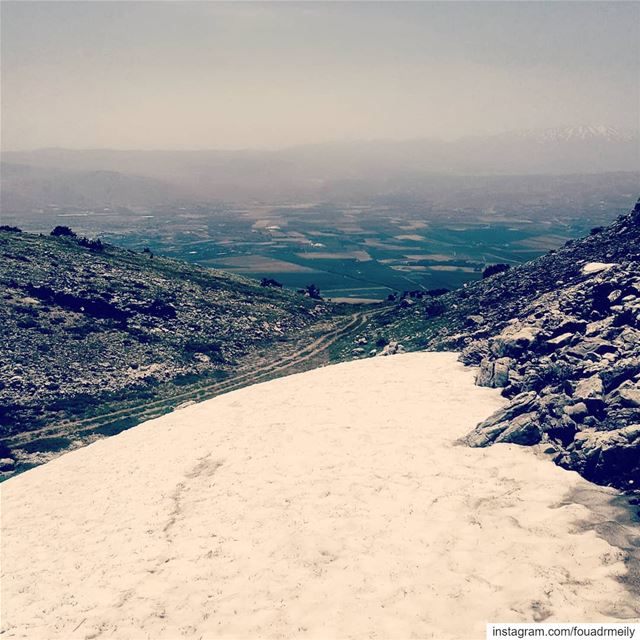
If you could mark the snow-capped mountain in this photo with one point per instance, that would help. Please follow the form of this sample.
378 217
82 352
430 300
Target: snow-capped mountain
575 133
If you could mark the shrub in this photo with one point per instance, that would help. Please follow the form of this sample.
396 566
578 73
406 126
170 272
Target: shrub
434 293
93 245
6 227
434 309
63 231
313 291
270 282
492 269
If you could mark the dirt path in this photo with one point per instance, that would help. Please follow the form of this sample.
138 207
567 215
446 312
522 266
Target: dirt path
302 358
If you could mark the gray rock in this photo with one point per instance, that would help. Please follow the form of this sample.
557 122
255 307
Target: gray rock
523 430
561 340
391 349
577 411
7 464
514 340
474 320
622 370
630 394
486 432
474 352
589 388
609 456
553 404
494 373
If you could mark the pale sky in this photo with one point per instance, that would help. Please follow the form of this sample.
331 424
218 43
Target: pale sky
195 75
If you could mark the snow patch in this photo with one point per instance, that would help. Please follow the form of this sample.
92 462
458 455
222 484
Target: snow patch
329 504
597 267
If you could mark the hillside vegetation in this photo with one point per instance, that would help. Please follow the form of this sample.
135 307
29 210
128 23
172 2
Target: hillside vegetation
86 327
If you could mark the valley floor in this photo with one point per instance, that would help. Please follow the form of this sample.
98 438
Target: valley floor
329 504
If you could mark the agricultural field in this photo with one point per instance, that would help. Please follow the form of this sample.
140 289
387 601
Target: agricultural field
353 253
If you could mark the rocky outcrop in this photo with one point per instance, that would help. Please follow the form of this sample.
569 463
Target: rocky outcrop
570 366
392 349
561 336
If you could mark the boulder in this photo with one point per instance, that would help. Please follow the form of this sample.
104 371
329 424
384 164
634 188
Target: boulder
591 387
595 346
7 464
577 411
523 430
622 370
494 373
487 431
610 456
560 341
392 348
514 340
553 404
629 394
474 352
597 267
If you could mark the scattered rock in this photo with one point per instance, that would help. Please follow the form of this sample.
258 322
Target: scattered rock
494 373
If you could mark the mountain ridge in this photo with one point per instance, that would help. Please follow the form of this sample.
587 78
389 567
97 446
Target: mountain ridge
315 170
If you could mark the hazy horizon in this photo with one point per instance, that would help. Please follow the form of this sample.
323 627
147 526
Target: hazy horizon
346 141
262 76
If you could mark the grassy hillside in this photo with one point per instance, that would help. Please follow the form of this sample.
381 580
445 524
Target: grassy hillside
86 328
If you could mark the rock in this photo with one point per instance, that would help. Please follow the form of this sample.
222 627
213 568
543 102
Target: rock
357 351
561 340
513 341
7 464
598 327
570 325
474 352
628 338
494 373
630 394
523 430
589 346
482 437
609 456
392 348
576 411
486 432
553 404
474 320
622 370
589 388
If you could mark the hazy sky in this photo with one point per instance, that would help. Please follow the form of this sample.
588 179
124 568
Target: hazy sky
232 75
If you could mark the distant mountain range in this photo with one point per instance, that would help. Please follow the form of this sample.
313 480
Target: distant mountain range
324 171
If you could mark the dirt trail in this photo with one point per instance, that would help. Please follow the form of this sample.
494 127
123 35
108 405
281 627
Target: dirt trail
302 358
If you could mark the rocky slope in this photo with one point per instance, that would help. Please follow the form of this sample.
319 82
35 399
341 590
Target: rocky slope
86 326
561 335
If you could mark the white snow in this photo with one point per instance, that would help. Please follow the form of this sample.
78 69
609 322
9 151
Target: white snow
597 267
330 504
